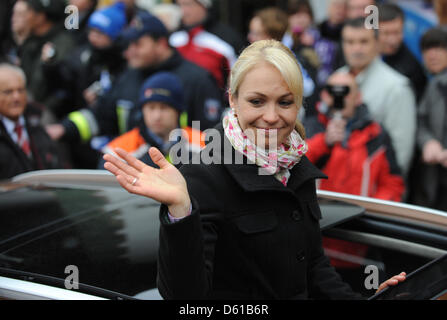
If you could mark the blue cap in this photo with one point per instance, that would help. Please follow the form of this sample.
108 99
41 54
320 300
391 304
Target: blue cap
163 87
109 20
142 24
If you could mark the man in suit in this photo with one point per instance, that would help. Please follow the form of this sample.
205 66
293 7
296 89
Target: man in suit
24 144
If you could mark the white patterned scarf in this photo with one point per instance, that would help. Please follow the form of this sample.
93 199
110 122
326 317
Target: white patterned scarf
278 162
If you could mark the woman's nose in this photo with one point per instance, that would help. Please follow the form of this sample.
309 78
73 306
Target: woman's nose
271 115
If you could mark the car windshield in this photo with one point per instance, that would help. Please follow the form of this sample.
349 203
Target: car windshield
110 236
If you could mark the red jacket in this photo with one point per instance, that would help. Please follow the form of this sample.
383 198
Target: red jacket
206 50
364 165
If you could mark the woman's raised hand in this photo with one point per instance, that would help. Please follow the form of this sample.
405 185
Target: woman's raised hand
165 185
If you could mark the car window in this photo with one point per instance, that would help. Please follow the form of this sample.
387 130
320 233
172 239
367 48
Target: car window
357 263
110 236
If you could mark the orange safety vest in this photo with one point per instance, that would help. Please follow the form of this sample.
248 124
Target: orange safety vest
134 143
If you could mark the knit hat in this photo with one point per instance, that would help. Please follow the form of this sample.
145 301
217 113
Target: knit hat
53 9
109 20
144 23
163 87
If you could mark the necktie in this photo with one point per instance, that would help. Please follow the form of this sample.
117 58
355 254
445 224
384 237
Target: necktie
22 141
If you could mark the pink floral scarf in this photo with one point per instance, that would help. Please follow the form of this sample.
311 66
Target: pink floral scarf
277 162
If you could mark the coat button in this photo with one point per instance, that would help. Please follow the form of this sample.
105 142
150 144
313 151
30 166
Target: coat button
296 215
300 256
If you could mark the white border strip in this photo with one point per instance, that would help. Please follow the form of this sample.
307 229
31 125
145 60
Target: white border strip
24 290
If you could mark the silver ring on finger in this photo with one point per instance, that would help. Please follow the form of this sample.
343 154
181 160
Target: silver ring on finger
134 181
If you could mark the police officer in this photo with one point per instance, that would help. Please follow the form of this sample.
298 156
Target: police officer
162 103
148 52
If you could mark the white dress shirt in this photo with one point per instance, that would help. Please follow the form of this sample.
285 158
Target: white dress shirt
10 126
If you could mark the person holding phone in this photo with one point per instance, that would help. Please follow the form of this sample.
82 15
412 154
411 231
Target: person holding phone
228 229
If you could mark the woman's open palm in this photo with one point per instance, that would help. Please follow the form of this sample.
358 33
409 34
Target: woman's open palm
165 185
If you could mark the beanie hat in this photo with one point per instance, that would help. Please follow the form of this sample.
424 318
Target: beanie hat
53 9
163 87
109 20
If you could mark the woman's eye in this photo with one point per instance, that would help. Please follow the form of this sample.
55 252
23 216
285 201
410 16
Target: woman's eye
285 103
255 102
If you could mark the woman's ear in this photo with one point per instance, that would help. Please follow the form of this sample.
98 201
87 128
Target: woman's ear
231 99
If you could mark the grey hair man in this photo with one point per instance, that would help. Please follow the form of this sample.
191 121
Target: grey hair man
24 144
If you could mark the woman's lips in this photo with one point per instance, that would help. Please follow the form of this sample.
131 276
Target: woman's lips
268 131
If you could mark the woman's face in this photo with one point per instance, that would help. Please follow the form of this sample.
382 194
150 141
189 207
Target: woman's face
300 20
265 106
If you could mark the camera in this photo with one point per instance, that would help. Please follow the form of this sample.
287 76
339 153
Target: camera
338 93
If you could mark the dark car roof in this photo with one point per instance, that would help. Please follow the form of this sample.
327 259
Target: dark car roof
109 234
84 218
53 219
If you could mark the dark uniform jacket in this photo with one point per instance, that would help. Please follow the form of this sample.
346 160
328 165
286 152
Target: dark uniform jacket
404 62
117 111
13 160
39 81
84 68
248 237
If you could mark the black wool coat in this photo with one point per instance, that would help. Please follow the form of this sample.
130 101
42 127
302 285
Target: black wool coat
248 237
13 160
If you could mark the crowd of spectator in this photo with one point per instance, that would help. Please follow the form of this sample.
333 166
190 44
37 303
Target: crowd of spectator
375 115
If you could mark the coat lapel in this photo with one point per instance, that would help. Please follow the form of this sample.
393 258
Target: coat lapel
248 177
304 171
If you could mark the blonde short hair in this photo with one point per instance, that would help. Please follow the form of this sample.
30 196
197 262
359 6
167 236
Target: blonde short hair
278 55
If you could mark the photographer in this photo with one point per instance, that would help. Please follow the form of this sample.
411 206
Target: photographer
352 149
